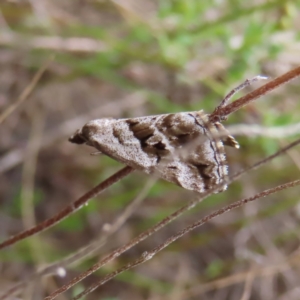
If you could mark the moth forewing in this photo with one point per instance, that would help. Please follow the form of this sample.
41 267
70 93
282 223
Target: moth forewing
184 148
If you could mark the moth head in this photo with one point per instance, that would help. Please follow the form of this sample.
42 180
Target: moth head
83 135
77 138
89 130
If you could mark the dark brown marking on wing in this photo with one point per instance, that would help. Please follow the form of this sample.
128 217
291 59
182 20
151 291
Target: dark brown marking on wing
143 140
184 138
168 121
132 122
116 134
140 130
173 175
202 169
172 167
143 133
160 146
175 128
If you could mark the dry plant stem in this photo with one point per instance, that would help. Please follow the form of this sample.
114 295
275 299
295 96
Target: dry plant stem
179 284
269 270
221 112
71 208
271 132
24 95
27 191
29 169
85 251
114 254
294 155
150 254
54 43
248 286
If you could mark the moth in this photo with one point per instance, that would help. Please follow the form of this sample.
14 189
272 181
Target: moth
185 148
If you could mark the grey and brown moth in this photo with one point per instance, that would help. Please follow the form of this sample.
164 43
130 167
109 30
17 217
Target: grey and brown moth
185 148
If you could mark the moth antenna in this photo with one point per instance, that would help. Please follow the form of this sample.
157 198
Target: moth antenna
222 111
246 83
227 98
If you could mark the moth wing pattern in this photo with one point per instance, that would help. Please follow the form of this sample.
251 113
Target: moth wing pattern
182 148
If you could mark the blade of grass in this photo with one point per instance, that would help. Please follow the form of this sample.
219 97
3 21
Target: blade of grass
27 91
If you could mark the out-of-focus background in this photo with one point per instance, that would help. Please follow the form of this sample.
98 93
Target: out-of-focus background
135 58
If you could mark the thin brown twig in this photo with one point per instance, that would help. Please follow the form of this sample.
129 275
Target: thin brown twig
147 255
71 208
26 92
114 254
294 155
85 251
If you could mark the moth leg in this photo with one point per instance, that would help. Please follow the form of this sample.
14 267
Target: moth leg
96 153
